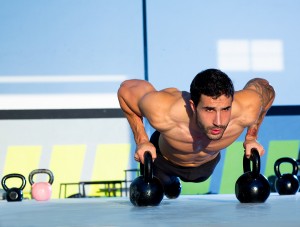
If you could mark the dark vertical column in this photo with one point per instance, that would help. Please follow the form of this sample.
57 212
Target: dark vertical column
145 40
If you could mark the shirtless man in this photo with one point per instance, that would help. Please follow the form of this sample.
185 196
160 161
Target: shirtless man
192 128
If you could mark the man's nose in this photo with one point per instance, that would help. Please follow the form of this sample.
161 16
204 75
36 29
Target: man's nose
217 120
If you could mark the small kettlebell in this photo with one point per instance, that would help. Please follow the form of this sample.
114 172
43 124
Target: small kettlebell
14 194
41 191
287 183
252 187
146 190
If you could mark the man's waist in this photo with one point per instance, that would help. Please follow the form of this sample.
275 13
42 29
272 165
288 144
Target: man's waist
188 164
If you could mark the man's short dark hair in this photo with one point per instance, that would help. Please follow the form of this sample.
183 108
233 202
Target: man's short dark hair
211 82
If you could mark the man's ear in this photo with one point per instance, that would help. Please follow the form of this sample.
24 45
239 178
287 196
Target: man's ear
192 105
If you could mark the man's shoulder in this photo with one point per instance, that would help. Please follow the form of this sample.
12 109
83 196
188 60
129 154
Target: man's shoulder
248 98
161 100
170 91
166 95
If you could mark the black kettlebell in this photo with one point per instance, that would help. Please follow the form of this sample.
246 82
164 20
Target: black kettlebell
287 183
298 175
146 190
14 194
252 187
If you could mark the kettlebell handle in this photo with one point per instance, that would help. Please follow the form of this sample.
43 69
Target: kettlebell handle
282 160
17 175
255 162
36 171
148 167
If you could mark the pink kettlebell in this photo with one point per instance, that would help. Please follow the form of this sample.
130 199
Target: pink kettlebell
41 191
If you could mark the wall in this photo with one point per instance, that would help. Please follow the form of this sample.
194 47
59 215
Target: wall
61 63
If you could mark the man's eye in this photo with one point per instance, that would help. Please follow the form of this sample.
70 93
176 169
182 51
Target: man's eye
227 109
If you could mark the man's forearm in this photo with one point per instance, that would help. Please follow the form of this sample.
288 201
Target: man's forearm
135 121
138 129
129 94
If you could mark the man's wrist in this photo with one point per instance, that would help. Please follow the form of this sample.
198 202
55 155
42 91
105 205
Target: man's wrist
142 141
250 137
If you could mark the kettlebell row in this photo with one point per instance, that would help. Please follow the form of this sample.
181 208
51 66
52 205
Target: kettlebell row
40 191
250 187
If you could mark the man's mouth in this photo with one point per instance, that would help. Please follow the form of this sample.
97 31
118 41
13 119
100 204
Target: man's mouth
216 131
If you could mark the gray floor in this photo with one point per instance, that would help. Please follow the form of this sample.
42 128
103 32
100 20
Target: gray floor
201 210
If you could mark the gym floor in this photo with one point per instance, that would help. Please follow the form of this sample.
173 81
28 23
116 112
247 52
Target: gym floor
196 210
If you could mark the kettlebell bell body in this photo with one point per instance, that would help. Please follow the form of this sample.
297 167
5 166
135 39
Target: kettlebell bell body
252 187
287 183
14 194
41 191
146 190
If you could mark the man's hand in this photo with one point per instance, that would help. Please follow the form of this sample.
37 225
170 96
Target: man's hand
141 149
249 144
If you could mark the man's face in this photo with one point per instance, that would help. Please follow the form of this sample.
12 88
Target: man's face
213 115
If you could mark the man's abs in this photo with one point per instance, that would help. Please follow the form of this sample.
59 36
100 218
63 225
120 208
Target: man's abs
185 157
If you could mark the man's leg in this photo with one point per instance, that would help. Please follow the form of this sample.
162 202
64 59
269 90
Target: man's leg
171 184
